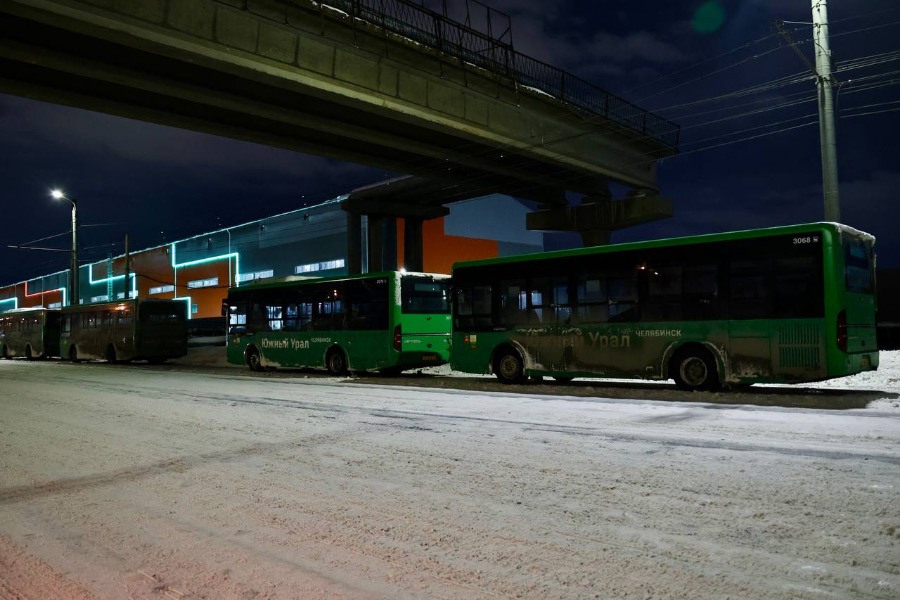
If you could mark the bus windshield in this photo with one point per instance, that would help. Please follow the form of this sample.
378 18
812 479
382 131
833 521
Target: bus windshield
425 295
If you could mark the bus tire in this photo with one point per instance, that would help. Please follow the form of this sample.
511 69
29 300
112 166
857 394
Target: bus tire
73 354
28 354
694 369
4 352
508 366
336 361
254 359
111 355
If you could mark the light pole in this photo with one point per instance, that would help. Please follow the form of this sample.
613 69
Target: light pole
57 194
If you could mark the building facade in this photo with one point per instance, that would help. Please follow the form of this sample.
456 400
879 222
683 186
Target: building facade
310 241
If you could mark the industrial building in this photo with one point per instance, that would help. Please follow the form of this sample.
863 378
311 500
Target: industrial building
310 241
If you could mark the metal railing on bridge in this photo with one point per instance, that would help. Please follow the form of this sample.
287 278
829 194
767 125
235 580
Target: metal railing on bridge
430 28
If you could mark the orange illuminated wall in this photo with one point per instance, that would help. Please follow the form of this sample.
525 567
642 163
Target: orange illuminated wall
441 250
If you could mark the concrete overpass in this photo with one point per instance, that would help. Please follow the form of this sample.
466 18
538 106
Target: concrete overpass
378 82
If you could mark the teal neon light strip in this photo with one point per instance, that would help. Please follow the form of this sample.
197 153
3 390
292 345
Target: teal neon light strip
15 302
92 281
187 299
236 256
62 290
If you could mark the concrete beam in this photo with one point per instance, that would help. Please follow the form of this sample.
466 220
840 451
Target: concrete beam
602 214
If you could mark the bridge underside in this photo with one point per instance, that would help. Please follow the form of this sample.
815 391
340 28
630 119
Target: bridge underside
296 75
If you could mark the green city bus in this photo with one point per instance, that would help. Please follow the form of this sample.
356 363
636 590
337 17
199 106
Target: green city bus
387 321
29 332
125 330
783 304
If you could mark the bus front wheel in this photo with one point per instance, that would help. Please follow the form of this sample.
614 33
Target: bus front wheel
336 362
694 369
508 366
254 360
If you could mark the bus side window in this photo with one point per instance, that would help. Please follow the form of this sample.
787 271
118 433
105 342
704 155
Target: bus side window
592 301
701 292
664 294
257 318
274 320
237 317
513 303
474 311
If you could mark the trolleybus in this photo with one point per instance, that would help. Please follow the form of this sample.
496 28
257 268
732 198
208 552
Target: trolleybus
29 332
783 304
134 329
387 322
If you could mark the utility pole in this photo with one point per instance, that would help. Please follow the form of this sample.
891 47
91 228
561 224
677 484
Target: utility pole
824 82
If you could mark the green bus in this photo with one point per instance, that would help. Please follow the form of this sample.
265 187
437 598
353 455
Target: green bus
29 332
387 322
125 330
783 304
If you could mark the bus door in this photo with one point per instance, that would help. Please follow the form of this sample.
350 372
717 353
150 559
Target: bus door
749 310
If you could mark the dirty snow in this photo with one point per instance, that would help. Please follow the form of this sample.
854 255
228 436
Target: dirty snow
196 480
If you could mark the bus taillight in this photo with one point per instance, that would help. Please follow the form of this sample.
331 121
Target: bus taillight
398 341
842 331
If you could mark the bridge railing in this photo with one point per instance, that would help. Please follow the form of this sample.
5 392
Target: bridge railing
432 29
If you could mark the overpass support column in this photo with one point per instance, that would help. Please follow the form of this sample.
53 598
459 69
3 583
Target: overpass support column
354 243
382 243
413 244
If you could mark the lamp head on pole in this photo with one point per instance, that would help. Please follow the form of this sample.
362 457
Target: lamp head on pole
59 195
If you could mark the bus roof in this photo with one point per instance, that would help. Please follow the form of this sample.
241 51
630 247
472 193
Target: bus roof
292 280
676 241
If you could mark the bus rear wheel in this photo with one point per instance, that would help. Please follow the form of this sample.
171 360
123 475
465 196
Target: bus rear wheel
336 361
508 366
254 360
694 369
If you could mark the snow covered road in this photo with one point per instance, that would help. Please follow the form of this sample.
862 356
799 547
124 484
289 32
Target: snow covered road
145 482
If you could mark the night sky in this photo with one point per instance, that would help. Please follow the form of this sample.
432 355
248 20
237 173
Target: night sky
746 102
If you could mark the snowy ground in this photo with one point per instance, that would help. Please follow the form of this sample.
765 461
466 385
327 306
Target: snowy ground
203 481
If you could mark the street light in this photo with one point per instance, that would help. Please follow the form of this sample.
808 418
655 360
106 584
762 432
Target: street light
57 194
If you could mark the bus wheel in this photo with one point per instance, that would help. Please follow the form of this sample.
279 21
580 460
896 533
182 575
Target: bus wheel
254 360
694 369
508 366
28 354
4 354
336 362
73 354
111 355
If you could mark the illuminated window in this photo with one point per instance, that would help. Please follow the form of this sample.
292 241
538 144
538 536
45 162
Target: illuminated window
162 289
241 278
202 283
320 266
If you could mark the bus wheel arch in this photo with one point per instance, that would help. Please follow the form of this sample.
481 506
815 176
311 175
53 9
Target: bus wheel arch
508 364
694 367
336 360
253 358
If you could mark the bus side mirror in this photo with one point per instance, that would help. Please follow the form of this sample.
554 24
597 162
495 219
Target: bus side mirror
224 309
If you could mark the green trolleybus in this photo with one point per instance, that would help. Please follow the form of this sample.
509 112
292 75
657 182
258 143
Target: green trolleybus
387 321
783 304
126 330
29 332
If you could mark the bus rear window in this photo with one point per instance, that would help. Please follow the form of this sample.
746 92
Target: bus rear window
424 295
859 267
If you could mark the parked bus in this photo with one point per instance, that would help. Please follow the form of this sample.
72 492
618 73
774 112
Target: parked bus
29 332
388 322
126 330
784 304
